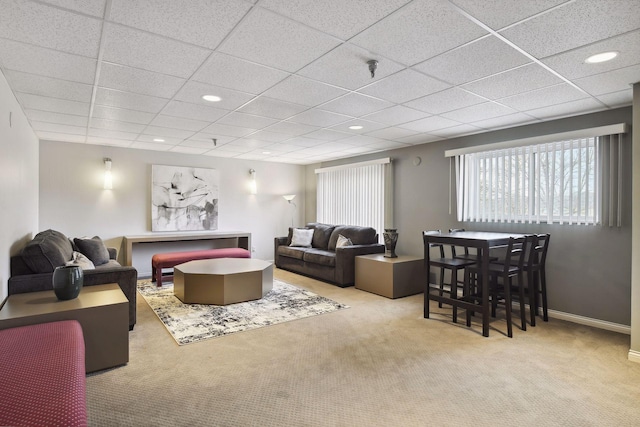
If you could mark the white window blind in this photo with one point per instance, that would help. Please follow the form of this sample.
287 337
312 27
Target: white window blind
357 194
576 181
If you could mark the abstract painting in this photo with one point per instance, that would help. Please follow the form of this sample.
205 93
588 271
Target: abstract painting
183 198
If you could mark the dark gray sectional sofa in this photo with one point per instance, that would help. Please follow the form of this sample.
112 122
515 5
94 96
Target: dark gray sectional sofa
322 260
32 269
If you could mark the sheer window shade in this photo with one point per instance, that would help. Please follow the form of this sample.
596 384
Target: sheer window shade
575 181
357 194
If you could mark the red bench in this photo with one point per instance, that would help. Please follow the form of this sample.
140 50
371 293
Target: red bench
42 375
171 259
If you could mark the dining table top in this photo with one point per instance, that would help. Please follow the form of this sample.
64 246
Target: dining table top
473 238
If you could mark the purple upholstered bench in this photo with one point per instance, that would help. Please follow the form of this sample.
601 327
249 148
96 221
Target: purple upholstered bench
42 375
171 259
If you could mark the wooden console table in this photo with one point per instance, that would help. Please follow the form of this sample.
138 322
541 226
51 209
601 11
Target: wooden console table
241 240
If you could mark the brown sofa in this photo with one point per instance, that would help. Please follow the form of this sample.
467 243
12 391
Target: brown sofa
322 260
32 269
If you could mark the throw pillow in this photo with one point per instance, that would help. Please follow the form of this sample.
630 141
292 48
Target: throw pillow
94 249
302 237
343 241
81 261
48 249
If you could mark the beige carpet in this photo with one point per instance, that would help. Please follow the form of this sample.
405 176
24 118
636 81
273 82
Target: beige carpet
377 364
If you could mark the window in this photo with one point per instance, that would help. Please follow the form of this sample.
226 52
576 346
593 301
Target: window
568 181
356 194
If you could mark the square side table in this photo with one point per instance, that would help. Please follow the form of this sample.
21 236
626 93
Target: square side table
390 277
103 313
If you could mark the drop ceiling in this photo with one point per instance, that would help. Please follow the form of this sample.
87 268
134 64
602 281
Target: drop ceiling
293 75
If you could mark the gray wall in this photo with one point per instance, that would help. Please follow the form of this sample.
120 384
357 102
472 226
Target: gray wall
73 201
589 267
18 181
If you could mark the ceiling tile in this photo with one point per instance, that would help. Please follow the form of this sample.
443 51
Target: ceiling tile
392 133
193 111
193 21
50 117
155 139
613 81
509 120
387 145
138 49
248 142
122 114
179 123
134 80
94 7
545 97
167 133
447 100
304 91
418 31
327 135
572 64
36 102
457 131
115 125
562 110
58 128
270 39
221 129
268 107
220 153
203 140
267 136
150 146
430 123
188 150
65 137
404 86
618 99
231 99
346 66
356 105
235 73
396 115
47 86
477 112
283 148
106 133
361 140
96 140
30 59
519 80
591 21
342 19
421 138
292 129
500 13
131 101
246 120
319 118
50 27
367 126
473 61
301 141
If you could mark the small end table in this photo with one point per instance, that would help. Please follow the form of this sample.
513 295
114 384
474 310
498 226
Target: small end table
390 277
103 313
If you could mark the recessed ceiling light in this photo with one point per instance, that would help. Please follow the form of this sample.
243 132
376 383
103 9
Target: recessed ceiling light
211 98
158 140
601 57
266 152
355 127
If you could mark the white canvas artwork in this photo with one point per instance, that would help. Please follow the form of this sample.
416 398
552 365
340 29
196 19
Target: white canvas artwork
183 198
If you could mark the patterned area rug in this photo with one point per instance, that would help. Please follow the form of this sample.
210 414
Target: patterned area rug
189 323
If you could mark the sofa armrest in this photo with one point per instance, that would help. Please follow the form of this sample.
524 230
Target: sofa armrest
113 253
346 260
278 241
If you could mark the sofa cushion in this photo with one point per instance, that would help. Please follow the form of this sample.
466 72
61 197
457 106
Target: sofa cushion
321 234
291 251
358 235
302 237
94 249
319 256
48 249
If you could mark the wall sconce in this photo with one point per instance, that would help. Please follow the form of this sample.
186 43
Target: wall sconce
108 179
253 187
289 198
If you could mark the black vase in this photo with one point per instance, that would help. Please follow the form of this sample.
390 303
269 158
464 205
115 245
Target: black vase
390 239
67 281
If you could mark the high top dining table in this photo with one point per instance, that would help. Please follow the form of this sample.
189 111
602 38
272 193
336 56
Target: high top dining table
483 242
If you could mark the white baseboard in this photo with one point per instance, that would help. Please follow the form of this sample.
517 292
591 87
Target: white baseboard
634 356
588 321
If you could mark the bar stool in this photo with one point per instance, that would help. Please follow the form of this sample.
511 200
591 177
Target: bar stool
443 263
